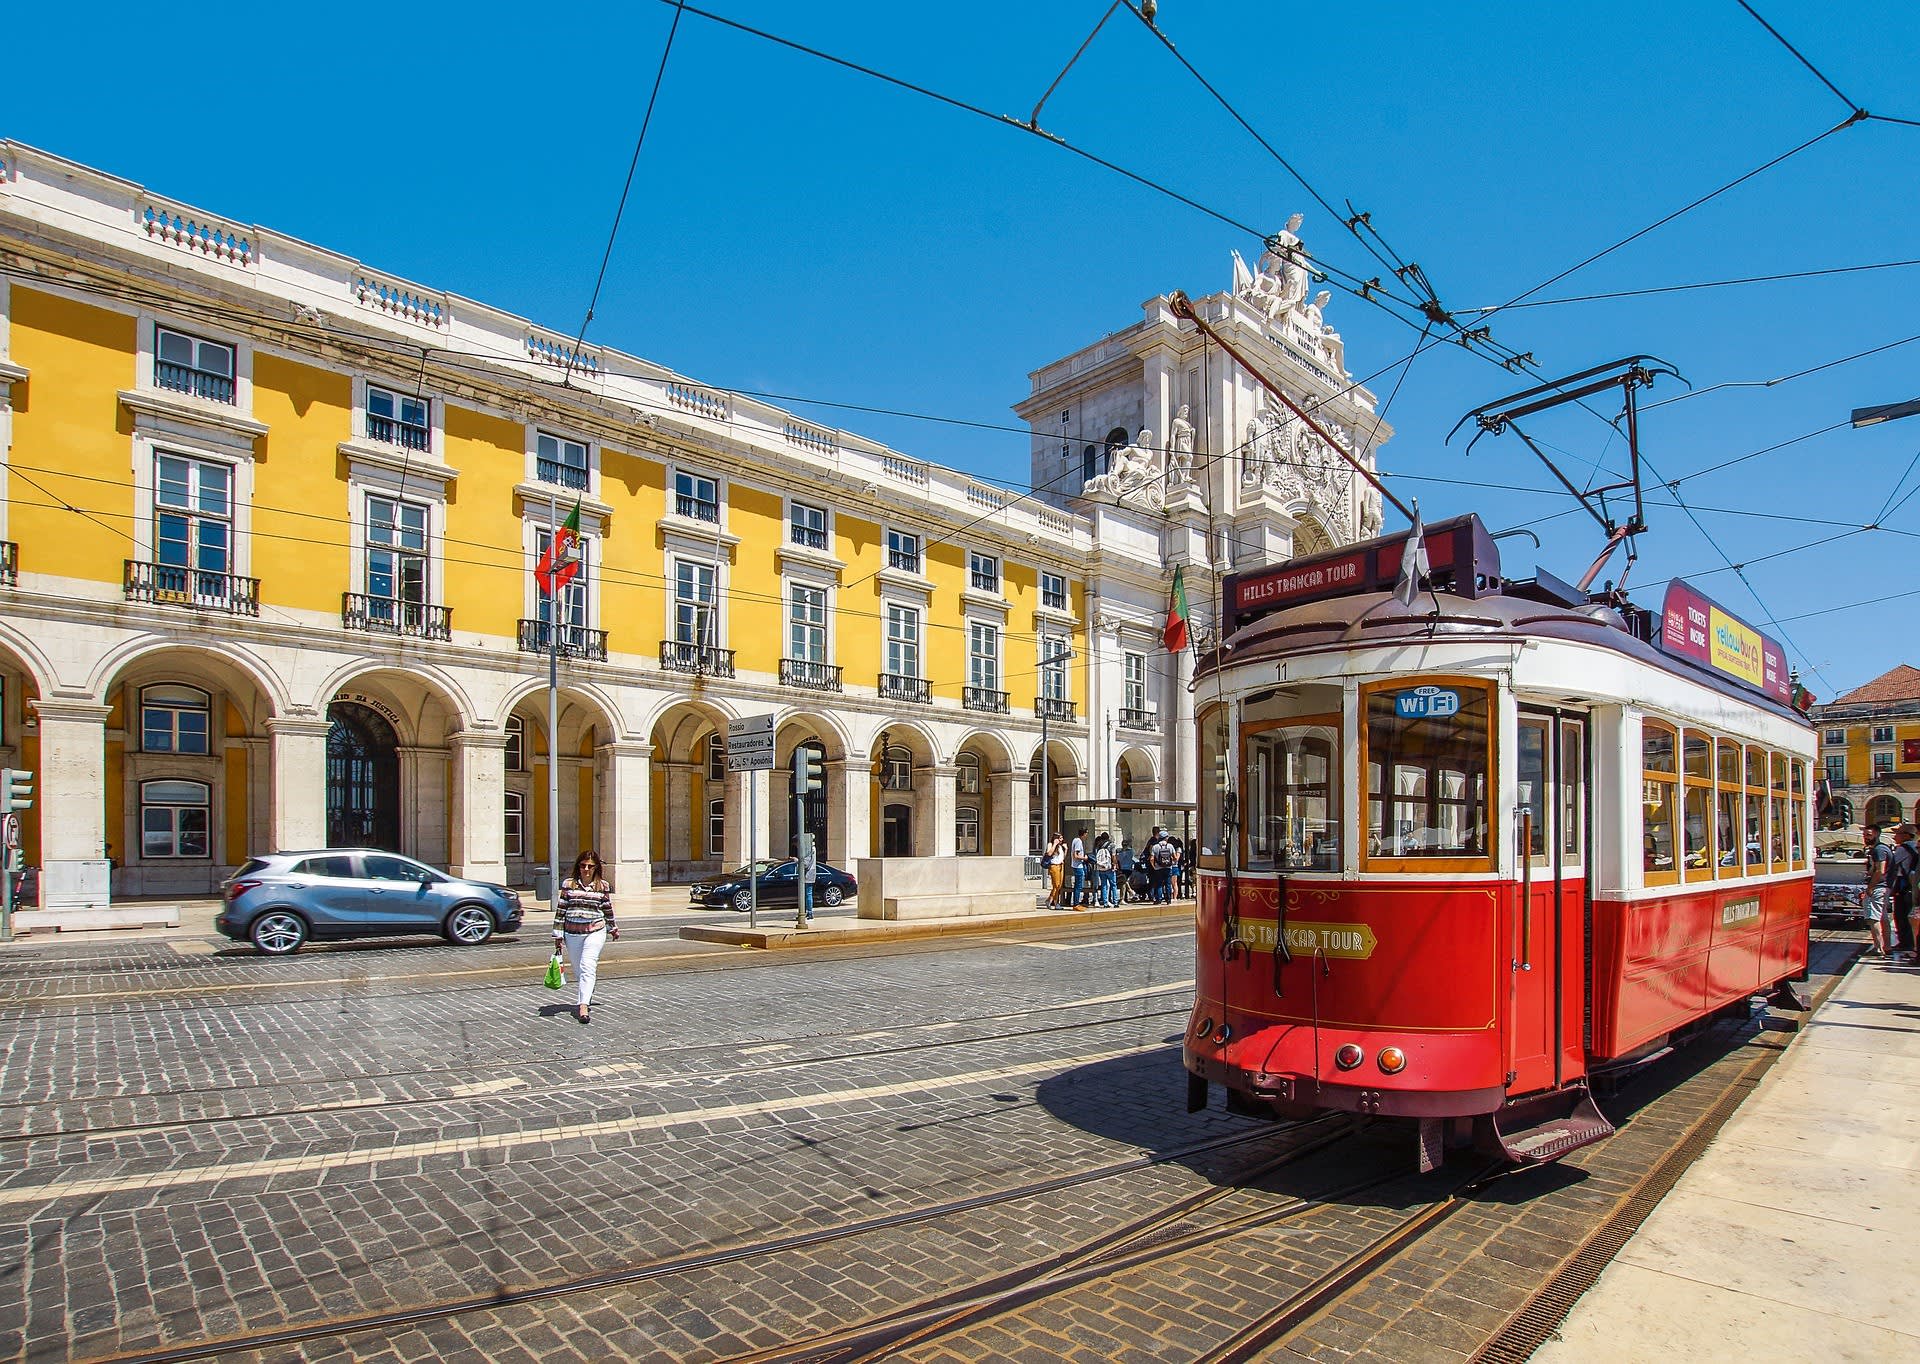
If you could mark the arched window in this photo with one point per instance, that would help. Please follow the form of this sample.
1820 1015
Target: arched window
175 718
966 829
516 824
716 829
896 770
1090 462
516 744
175 819
967 782
1123 780
1883 810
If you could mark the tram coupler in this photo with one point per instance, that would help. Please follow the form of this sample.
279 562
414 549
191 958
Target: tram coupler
1196 1093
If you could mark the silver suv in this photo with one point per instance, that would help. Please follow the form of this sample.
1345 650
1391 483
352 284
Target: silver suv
279 901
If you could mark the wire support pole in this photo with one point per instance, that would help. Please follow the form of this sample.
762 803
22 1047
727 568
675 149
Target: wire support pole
553 726
1182 306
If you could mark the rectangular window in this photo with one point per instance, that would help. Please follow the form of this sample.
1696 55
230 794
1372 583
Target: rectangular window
1837 769
1777 812
193 518
1658 774
175 719
807 624
1053 591
187 364
903 551
1696 805
1293 798
1053 668
693 604
1756 808
1883 763
1727 824
1836 738
572 608
515 815
516 744
1427 773
398 419
716 758
966 830
1797 815
559 460
983 571
696 498
176 819
1883 734
396 553
983 655
1133 682
807 526
717 830
903 641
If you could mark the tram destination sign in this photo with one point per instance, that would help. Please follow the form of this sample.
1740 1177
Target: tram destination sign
1696 628
1461 558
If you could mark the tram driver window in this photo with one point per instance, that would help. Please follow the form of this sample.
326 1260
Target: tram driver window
1293 798
1428 755
1211 829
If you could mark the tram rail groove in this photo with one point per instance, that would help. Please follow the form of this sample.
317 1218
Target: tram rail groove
1527 1329
668 1266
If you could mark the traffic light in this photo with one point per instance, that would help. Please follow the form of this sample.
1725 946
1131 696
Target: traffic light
811 773
16 790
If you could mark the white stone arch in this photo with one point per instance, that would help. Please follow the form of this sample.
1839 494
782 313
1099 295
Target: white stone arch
830 729
127 656
597 697
434 687
1310 534
1142 764
1000 805
33 661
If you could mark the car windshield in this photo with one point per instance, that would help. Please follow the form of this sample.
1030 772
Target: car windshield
760 868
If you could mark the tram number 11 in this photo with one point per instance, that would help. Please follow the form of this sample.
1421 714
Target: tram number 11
1426 703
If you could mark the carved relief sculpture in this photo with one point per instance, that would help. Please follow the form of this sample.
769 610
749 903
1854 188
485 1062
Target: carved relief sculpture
1180 450
1133 475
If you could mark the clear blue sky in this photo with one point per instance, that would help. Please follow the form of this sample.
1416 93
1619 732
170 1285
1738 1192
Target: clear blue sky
803 230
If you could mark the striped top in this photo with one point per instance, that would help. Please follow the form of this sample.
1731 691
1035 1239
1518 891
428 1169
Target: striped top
583 908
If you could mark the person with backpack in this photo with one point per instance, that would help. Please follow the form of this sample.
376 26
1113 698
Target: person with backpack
1125 862
1873 900
1161 858
1106 891
1903 871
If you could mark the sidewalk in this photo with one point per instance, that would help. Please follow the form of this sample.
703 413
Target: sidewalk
1790 1238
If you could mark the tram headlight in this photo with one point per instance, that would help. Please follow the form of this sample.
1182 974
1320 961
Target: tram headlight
1348 1057
1392 1060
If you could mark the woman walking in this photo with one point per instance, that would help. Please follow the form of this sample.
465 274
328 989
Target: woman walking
582 924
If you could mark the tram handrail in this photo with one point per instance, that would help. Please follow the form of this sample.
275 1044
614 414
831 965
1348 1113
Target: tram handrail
1525 813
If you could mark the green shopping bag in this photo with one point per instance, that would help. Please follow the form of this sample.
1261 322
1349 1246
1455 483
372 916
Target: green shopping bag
556 976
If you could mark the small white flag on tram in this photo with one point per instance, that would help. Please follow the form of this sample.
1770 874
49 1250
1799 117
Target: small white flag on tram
1414 567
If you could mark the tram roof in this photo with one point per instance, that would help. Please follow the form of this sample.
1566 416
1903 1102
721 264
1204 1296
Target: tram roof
1344 600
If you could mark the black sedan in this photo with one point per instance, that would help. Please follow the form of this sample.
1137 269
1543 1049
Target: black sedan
778 885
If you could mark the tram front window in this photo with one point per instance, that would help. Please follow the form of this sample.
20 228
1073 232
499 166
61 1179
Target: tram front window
1427 758
1293 798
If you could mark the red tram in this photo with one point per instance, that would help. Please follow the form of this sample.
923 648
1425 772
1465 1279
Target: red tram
1456 856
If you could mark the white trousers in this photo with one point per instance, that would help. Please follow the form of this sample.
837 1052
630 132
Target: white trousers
583 959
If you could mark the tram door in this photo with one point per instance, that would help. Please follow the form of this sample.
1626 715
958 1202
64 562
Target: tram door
1547 943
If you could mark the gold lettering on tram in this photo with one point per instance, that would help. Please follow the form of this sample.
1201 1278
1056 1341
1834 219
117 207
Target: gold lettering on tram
1739 911
1354 942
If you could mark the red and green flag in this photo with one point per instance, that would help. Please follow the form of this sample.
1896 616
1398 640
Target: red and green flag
559 564
1176 632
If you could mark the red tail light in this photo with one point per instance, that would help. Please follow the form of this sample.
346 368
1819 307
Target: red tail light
239 888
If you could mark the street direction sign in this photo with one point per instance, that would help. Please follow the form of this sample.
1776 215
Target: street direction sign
751 724
758 760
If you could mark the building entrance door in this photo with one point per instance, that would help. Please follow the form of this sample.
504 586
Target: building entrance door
896 831
363 779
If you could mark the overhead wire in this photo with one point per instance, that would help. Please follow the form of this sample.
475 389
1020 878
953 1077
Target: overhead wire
1700 284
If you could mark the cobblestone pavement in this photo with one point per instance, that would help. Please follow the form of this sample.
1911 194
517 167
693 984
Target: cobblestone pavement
754 1150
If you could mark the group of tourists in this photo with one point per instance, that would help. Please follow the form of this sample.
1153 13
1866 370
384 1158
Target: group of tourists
1893 875
1090 874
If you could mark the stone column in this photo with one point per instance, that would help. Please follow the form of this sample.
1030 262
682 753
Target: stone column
849 812
626 816
70 796
1012 804
682 818
744 839
297 782
423 804
944 799
259 787
477 831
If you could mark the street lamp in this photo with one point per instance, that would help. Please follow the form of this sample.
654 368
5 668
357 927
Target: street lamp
1046 710
1886 412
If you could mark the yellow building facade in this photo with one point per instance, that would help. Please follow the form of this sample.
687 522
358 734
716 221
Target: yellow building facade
271 527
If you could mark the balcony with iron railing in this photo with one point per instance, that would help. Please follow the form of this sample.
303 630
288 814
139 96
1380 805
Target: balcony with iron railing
560 474
704 660
898 687
1053 707
196 588
573 641
984 698
1132 718
388 616
412 437
199 382
9 563
696 508
808 537
800 672
906 560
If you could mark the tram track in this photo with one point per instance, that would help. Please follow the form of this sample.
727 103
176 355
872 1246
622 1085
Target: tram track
1300 1139
544 1065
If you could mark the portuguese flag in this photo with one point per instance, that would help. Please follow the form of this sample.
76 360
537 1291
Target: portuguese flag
1175 634
559 564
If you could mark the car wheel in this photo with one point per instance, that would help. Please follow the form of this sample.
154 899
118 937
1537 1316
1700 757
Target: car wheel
278 932
742 900
469 925
831 895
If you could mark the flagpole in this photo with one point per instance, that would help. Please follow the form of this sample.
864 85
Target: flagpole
553 715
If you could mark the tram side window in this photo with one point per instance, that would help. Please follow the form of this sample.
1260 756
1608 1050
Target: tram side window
1211 829
1533 782
1658 773
1728 822
1756 826
1293 798
1696 804
1797 815
1428 755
